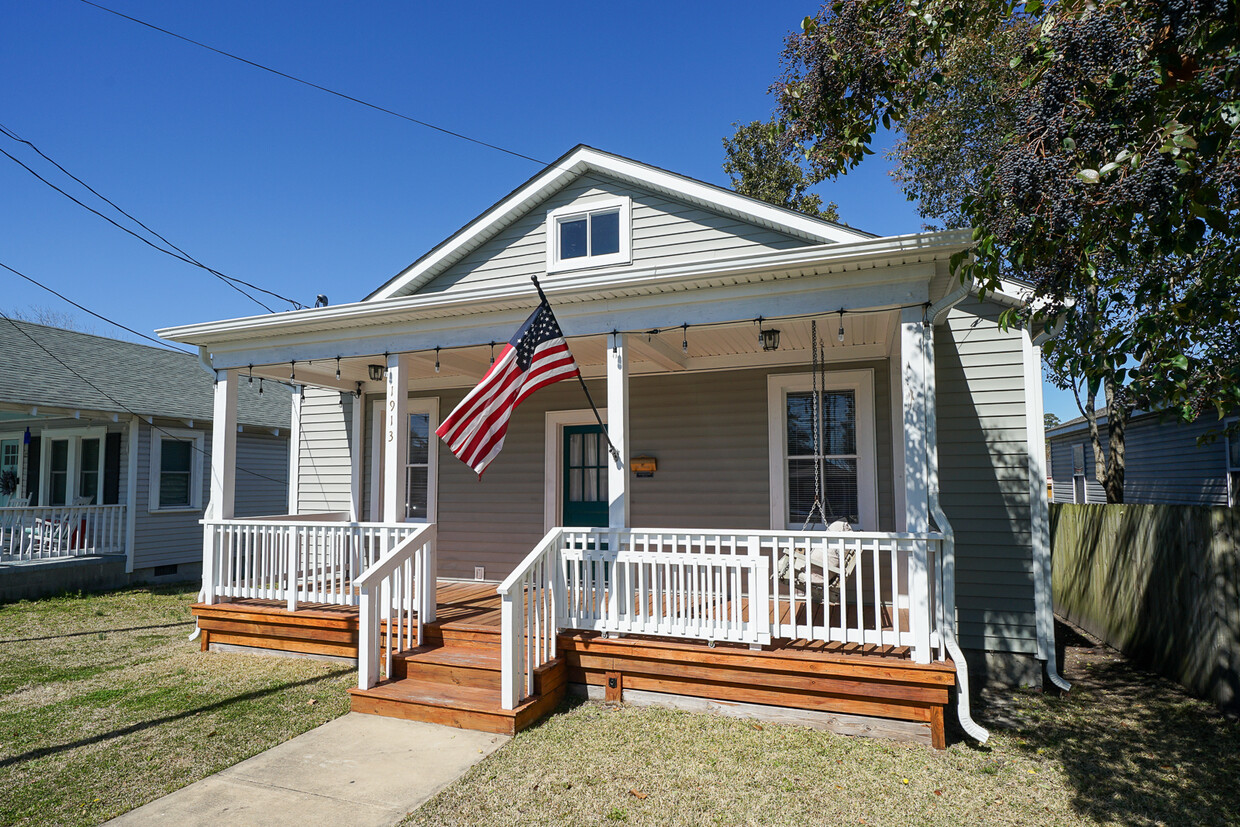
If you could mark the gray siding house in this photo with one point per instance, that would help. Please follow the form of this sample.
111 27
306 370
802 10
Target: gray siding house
930 456
108 446
1164 462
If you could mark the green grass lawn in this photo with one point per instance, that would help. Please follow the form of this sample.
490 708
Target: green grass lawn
105 704
1124 747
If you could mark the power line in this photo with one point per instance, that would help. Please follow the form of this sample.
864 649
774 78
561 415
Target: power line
187 257
40 284
313 85
113 400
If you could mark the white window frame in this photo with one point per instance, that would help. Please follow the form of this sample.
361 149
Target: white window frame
74 437
583 209
1232 479
428 405
861 382
197 440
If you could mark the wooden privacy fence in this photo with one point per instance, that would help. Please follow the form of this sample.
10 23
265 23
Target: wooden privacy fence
1161 583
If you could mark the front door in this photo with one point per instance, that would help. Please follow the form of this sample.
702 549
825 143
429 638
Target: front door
585 476
10 451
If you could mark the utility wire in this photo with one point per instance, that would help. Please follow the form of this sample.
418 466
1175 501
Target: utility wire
113 400
40 284
187 257
313 85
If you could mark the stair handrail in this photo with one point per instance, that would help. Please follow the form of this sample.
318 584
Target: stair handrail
379 577
521 631
523 568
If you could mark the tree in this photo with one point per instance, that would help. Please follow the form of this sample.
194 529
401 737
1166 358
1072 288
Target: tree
1050 420
758 169
1091 146
37 314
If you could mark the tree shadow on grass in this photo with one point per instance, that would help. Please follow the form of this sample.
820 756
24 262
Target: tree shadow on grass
99 631
1136 747
167 719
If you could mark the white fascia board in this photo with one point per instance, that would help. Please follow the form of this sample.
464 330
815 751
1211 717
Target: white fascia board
761 268
586 159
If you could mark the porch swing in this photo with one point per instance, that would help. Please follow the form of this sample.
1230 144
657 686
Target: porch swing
807 565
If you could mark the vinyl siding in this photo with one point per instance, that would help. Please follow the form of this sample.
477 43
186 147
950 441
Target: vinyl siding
173 537
665 232
1163 463
324 470
984 477
707 430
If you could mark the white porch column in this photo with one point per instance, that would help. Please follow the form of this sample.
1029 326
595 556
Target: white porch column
917 395
294 450
355 459
224 447
131 489
618 431
395 438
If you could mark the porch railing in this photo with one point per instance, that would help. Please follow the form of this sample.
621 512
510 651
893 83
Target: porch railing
867 588
397 600
297 559
48 532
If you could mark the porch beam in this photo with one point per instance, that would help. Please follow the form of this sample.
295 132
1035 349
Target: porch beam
396 437
659 352
618 430
224 447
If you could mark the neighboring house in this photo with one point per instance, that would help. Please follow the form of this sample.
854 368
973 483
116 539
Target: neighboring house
1164 463
684 572
115 468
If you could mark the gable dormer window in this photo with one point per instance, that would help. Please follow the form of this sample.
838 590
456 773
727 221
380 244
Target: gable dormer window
591 234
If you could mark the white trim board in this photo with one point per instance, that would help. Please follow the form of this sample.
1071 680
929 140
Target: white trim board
197 440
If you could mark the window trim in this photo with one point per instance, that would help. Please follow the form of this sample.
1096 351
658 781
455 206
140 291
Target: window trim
198 440
861 382
72 474
428 405
1233 490
583 209
1083 475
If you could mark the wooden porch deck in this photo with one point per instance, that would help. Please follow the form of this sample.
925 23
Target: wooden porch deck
454 677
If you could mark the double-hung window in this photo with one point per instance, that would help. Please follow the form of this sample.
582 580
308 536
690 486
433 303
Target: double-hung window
72 466
838 468
592 234
176 469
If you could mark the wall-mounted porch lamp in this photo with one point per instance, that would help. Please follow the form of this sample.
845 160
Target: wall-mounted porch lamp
768 336
376 372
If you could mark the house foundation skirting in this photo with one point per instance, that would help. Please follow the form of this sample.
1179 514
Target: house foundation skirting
32 579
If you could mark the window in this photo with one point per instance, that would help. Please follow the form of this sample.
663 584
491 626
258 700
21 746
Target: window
844 459
421 461
418 468
1079 492
71 466
594 234
1233 468
176 470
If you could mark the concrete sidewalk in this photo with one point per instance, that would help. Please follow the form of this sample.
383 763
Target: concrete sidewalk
355 770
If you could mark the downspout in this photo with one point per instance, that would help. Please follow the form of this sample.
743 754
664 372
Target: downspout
1036 438
935 315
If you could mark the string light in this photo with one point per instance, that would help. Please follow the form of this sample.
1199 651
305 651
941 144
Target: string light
492 353
260 386
839 337
251 374
684 341
436 359
292 369
337 368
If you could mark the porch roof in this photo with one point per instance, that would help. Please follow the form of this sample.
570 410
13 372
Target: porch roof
870 273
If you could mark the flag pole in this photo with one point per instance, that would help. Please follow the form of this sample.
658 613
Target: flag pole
615 455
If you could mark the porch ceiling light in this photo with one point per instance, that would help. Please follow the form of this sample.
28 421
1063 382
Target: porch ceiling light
768 336
376 372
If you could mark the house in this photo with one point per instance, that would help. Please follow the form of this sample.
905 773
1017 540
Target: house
685 570
106 446
1164 461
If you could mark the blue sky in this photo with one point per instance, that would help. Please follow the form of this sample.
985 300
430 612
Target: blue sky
305 193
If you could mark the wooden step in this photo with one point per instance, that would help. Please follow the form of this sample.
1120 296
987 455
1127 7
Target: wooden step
458 634
466 707
473 666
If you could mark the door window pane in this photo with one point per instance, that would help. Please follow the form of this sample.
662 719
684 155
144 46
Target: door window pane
835 459
59 488
88 474
417 468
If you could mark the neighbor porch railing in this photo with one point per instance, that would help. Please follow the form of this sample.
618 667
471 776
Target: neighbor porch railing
294 558
867 588
48 532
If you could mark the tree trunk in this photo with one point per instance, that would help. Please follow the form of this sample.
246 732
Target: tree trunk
1118 409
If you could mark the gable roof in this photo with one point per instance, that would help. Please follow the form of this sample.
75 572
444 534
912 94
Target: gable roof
140 379
581 160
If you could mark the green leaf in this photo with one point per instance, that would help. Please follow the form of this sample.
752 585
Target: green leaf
1108 168
1069 144
1089 176
1179 360
1185 141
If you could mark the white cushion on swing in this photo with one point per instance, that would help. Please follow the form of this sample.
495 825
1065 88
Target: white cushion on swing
840 525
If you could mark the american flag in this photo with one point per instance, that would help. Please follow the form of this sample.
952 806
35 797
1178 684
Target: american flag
536 357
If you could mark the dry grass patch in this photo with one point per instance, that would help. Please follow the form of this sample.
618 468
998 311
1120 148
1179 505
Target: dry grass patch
105 705
1124 747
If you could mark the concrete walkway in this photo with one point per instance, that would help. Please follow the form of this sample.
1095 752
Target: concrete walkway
355 770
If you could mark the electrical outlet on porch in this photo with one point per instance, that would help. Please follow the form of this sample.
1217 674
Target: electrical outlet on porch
480 573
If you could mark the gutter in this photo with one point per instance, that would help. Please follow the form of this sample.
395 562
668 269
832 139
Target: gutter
204 359
935 315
